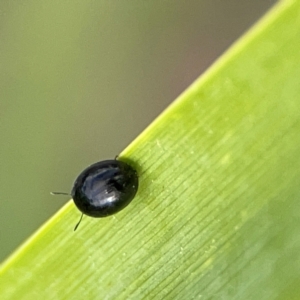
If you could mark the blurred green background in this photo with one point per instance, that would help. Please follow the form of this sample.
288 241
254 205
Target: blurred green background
81 79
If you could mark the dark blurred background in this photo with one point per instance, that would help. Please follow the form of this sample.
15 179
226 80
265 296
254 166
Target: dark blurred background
81 79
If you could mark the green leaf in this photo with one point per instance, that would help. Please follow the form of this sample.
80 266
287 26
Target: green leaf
217 212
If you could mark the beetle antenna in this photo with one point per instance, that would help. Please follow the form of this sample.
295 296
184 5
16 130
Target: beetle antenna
78 222
60 193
